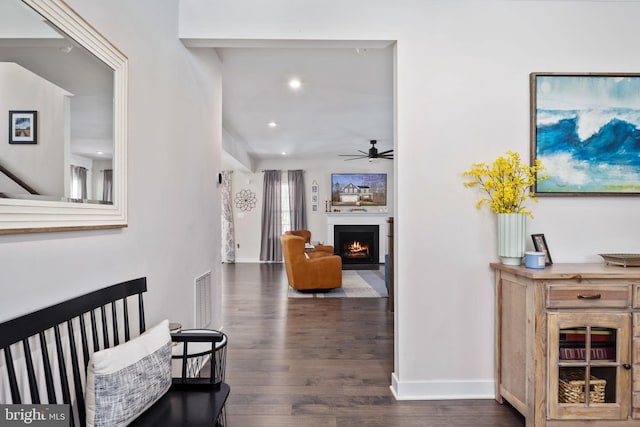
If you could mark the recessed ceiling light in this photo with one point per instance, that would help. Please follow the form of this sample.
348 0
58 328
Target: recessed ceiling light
284 153
295 84
99 153
272 124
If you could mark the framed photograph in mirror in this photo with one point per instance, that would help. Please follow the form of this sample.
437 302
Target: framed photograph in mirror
23 127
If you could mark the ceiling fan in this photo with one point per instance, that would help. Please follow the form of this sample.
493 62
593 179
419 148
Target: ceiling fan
372 154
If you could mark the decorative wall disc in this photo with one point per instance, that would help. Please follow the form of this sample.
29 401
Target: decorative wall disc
245 200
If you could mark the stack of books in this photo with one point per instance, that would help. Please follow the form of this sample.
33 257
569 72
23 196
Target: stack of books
573 344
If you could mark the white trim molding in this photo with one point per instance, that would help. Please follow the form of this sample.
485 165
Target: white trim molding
441 390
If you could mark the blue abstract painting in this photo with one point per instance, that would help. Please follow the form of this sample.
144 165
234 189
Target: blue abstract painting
586 133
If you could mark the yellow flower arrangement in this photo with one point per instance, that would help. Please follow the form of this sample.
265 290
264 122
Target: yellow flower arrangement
507 181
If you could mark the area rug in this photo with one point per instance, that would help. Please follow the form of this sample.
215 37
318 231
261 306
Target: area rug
355 284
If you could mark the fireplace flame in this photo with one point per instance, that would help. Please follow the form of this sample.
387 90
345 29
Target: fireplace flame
357 249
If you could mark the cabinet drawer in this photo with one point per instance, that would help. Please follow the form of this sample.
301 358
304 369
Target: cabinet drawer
636 296
636 326
563 296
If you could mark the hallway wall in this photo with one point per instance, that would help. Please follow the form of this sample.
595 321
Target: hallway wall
462 88
173 199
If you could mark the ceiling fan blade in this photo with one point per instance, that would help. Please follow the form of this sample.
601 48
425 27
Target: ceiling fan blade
371 154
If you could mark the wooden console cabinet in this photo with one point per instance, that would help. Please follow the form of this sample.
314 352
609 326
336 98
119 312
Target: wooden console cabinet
563 330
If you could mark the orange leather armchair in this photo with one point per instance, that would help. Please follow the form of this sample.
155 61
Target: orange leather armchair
309 273
306 235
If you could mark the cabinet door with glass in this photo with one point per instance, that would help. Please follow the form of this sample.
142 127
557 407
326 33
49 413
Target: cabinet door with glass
589 370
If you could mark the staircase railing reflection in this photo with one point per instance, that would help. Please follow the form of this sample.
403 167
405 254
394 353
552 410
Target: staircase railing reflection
17 180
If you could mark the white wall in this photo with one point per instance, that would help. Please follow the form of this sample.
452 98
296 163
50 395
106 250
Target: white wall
462 97
235 152
173 198
40 166
248 224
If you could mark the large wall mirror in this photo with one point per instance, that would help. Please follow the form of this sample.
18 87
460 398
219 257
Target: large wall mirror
63 129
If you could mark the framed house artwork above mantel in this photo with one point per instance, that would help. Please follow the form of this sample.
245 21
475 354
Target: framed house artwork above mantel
584 129
359 189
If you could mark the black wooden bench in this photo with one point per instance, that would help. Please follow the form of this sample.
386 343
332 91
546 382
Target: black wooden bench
99 320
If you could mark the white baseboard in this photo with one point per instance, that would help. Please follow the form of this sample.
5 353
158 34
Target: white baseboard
246 260
254 261
441 390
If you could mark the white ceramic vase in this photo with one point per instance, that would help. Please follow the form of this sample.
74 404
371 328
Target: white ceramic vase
511 235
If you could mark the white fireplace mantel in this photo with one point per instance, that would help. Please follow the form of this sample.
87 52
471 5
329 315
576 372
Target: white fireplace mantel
361 218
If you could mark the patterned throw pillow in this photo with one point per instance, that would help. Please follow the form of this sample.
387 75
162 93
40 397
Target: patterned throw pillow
123 381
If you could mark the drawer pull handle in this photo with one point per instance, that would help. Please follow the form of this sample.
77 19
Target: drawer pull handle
594 296
626 366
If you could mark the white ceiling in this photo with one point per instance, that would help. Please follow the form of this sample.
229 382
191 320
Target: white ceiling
346 99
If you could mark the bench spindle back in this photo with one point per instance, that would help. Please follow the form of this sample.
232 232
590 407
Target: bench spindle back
33 362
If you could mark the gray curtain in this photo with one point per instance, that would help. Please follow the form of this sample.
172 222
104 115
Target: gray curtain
296 200
228 232
107 185
270 249
78 182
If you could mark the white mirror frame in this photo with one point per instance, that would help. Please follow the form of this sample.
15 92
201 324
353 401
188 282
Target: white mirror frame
26 216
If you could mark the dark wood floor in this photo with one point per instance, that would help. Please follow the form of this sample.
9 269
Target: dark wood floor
322 362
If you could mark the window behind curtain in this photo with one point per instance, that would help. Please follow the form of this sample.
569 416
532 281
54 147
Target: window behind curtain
284 206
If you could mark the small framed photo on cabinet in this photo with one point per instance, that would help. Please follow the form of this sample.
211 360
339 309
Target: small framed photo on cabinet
540 244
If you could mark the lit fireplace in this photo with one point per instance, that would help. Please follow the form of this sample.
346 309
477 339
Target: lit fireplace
356 249
356 244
